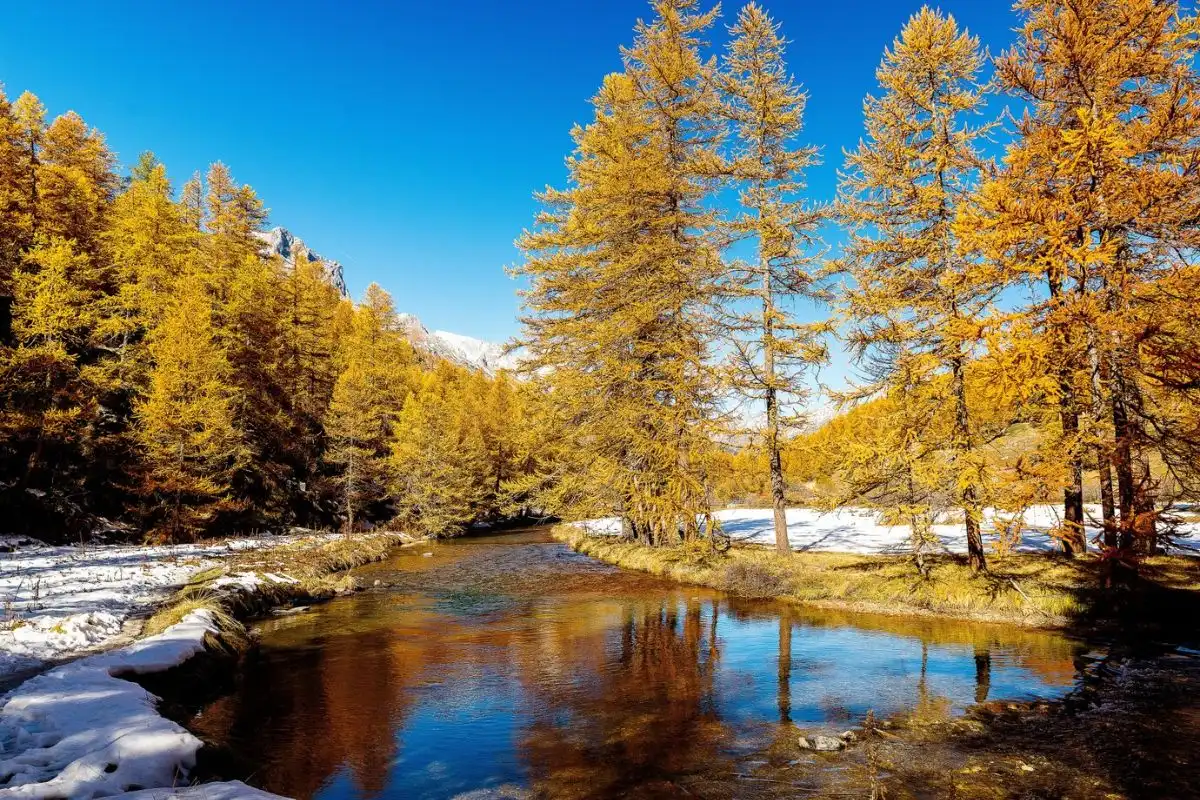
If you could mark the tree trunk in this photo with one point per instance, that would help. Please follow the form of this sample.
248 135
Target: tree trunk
784 693
1100 379
962 445
1123 463
1073 538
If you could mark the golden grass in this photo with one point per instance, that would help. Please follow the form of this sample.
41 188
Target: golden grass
1033 590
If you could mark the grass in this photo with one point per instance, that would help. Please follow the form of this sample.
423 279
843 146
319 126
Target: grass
1025 589
316 568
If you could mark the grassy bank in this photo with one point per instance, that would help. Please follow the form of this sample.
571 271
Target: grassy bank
253 582
1024 589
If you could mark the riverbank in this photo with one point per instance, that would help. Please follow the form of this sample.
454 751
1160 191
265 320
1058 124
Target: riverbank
87 729
1032 590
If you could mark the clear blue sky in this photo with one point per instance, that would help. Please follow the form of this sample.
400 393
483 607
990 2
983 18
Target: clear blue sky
404 139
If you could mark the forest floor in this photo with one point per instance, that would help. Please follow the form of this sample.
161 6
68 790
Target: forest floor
1031 585
85 728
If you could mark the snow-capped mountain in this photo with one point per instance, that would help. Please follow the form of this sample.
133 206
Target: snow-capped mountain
465 350
488 356
283 243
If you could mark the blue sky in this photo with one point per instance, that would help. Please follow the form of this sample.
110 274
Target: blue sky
404 139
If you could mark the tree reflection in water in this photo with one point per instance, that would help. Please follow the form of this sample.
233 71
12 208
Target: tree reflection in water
502 664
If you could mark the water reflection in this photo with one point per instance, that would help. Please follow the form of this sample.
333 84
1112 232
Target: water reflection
511 662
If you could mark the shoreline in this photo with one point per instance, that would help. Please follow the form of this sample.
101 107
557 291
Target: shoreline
1033 591
88 727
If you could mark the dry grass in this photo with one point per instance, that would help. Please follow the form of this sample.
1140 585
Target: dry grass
316 565
1033 590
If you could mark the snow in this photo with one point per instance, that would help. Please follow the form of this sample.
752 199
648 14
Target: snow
488 356
58 601
858 530
81 731
232 790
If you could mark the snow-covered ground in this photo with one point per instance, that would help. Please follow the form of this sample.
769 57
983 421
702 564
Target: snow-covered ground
858 530
81 731
58 601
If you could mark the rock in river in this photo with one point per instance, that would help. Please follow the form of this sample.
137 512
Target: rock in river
821 743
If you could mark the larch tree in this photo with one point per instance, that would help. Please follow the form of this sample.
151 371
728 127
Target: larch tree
191 447
191 201
623 266
77 182
30 117
911 306
1096 199
437 460
49 396
367 398
772 353
12 227
149 247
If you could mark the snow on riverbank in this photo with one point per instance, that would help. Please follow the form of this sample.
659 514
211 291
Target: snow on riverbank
58 601
858 530
80 731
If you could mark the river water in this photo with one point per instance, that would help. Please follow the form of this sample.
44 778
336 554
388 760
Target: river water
508 666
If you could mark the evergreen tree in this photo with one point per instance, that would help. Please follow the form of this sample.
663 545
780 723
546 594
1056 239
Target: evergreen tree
912 306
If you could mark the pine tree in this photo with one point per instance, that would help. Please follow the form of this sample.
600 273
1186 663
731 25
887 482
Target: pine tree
772 352
190 444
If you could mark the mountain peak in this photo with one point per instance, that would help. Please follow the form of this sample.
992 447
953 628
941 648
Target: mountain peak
488 357
279 241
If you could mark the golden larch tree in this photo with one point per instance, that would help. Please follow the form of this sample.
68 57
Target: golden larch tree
911 306
772 353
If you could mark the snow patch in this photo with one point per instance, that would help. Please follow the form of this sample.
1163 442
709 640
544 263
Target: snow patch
81 731
858 530
58 601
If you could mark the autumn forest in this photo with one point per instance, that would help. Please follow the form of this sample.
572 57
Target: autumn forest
1008 265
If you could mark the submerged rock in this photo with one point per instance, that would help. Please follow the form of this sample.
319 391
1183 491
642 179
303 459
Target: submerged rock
821 743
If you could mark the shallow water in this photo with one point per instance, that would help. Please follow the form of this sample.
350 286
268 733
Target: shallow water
509 666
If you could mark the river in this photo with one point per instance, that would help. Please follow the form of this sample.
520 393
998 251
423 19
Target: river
508 666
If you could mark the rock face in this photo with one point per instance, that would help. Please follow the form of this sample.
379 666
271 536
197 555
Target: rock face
488 357
283 243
